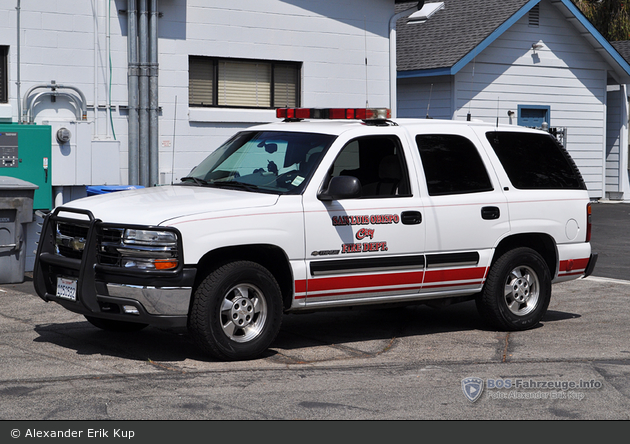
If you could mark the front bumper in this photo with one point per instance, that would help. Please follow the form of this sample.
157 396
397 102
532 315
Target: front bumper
104 291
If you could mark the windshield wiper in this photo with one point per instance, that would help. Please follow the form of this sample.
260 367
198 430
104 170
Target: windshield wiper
234 184
197 180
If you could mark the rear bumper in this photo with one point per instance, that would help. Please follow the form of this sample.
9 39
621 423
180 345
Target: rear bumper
574 261
591 265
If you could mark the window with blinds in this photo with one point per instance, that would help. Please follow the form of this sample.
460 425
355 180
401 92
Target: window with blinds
285 91
242 83
4 83
201 74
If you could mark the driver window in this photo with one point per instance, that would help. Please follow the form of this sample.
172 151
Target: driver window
348 159
378 163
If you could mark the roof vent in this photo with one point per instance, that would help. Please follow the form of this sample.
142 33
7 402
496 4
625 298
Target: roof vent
534 16
425 12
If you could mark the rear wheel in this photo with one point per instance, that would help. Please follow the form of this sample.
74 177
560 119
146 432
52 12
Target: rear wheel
517 291
114 325
236 311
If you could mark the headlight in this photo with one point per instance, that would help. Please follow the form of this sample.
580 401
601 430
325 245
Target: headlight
150 238
148 249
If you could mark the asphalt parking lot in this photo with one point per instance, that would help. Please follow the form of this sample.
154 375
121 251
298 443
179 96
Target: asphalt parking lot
404 363
611 239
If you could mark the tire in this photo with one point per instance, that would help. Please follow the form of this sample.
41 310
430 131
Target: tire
517 291
114 325
236 312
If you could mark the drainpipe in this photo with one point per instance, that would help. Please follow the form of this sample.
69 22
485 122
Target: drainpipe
143 51
625 169
19 82
392 55
132 89
95 133
108 80
154 150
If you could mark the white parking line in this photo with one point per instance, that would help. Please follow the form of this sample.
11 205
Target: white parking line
603 279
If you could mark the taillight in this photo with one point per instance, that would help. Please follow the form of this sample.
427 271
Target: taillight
589 217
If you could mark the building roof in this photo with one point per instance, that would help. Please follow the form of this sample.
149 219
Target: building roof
623 48
453 36
451 33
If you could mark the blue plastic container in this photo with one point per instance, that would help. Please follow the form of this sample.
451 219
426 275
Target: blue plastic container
94 190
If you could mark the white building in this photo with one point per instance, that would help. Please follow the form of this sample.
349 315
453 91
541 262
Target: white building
220 66
139 91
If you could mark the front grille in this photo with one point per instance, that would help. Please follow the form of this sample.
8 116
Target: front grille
108 239
72 230
70 239
110 235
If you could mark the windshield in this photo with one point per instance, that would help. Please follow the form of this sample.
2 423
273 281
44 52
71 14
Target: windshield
267 161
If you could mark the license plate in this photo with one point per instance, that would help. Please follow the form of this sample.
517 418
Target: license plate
67 288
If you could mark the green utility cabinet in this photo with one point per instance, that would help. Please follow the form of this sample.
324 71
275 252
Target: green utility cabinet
25 152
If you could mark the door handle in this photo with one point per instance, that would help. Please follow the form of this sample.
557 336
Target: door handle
411 217
490 213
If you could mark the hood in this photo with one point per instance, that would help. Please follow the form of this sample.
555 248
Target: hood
156 205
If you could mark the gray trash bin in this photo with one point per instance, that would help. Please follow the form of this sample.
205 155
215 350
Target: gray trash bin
16 209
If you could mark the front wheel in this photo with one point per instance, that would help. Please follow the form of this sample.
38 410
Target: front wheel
236 311
517 291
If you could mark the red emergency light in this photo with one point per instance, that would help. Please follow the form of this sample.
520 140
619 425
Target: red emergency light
334 113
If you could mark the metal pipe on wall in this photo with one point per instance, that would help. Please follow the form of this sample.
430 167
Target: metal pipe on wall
30 115
95 10
142 17
53 86
393 72
132 89
108 113
19 80
154 150
143 34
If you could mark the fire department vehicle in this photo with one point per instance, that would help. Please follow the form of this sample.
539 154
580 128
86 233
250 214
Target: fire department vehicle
327 208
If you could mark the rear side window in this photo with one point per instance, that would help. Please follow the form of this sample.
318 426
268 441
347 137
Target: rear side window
452 165
535 161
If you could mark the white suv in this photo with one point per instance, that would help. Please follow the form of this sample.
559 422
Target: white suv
328 208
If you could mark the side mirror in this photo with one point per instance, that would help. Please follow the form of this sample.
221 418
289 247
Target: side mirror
341 187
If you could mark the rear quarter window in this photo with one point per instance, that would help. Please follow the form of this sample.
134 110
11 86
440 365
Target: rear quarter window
452 165
535 161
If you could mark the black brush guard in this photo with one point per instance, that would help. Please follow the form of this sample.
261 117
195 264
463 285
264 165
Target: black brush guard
92 298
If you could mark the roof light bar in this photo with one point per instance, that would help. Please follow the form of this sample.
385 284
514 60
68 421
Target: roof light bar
334 113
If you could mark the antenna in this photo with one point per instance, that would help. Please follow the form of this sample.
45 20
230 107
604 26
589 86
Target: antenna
429 104
174 126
